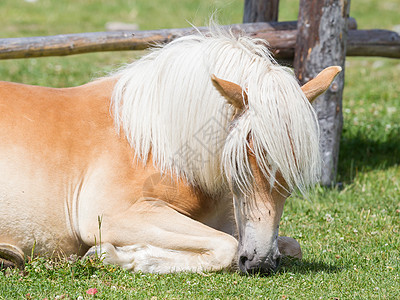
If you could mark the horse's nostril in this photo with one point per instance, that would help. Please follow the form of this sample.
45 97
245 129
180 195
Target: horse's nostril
243 259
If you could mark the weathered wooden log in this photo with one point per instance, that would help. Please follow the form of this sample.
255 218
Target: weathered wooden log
281 42
260 11
281 36
67 44
374 42
321 42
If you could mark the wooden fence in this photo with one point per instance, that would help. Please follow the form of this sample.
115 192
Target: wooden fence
280 35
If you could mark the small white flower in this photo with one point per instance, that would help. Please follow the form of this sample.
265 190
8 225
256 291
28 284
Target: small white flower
329 218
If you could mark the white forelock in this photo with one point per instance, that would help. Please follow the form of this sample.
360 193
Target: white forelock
167 105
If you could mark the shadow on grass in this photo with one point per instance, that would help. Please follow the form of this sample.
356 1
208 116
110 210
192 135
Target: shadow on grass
306 266
300 267
362 153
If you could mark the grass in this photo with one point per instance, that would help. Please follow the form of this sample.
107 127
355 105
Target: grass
350 235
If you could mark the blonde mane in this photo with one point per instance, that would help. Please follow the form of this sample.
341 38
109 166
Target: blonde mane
166 105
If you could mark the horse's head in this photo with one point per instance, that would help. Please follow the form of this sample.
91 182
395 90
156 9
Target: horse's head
258 212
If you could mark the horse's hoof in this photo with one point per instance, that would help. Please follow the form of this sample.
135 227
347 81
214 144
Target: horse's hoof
11 257
5 264
289 247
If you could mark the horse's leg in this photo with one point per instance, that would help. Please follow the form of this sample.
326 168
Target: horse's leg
289 247
153 237
11 256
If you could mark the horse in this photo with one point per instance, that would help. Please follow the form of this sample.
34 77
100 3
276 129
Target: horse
179 161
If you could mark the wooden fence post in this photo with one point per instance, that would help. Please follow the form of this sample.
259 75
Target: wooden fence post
321 42
260 11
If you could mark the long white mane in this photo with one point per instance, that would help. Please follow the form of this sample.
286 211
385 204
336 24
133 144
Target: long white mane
168 108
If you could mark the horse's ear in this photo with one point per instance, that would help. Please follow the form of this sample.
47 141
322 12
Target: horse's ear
233 93
320 83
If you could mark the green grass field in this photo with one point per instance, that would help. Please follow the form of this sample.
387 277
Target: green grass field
350 236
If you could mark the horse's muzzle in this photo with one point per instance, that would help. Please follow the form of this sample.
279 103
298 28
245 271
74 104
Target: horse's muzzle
251 264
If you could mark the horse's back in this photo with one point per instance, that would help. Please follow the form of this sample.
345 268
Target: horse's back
42 126
44 149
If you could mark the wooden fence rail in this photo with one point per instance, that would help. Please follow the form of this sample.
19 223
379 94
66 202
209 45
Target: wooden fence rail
280 35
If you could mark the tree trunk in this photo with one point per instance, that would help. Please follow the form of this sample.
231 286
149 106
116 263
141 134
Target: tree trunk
260 11
321 42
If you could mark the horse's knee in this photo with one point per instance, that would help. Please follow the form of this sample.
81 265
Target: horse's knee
11 256
225 251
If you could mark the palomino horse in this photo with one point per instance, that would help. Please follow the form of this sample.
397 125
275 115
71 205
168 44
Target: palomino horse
181 161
